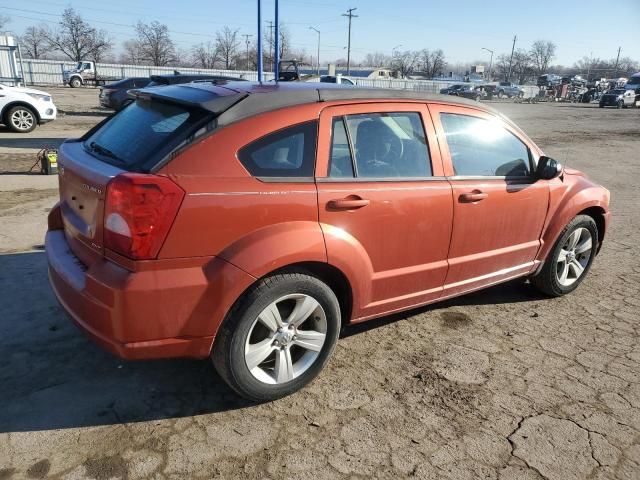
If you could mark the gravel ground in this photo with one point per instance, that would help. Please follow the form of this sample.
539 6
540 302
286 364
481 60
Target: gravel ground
498 384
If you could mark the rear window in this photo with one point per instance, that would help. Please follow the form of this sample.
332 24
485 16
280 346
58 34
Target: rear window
289 152
139 136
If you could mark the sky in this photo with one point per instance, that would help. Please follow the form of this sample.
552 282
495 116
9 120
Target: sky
461 28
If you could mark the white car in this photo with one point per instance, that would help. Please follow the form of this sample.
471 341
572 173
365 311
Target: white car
22 109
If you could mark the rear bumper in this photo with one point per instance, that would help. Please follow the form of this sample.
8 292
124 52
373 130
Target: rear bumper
155 313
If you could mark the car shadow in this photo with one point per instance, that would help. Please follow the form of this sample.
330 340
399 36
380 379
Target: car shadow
510 292
53 377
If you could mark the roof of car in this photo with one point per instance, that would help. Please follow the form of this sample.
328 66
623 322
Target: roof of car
252 98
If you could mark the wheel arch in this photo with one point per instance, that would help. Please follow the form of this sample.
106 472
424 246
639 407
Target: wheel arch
598 215
19 103
583 203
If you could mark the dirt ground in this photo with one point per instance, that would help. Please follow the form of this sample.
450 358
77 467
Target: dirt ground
498 384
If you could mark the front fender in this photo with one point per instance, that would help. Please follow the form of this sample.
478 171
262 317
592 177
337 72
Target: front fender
578 197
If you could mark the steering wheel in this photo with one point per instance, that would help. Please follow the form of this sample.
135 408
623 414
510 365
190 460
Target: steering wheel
395 150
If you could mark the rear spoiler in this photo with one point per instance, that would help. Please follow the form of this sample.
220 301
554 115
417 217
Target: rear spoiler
215 102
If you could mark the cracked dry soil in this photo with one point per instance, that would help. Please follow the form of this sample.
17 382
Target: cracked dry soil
498 384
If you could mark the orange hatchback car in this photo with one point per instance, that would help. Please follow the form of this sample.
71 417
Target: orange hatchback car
248 222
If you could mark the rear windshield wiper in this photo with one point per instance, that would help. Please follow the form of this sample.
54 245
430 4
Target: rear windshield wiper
104 151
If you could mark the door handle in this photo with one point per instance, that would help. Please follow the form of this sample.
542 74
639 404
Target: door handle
349 203
474 196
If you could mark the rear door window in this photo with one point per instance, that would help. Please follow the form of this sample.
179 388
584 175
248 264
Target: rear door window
379 145
142 133
290 152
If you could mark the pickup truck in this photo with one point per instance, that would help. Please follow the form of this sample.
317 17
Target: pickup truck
508 89
85 73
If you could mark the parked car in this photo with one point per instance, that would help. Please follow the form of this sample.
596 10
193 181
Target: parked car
633 83
451 89
115 96
508 89
336 79
619 98
549 80
178 78
254 238
22 109
466 91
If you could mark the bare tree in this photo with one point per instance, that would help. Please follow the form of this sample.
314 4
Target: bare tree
76 39
34 42
205 55
522 67
404 62
4 20
541 54
227 45
154 43
131 53
377 59
432 63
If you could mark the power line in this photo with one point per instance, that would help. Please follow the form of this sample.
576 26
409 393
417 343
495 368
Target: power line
350 15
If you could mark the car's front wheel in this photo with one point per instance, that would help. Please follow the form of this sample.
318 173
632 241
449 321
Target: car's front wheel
571 258
278 336
21 119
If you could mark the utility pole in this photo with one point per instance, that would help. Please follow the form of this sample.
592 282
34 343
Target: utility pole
513 47
246 41
318 32
271 27
617 60
350 15
260 40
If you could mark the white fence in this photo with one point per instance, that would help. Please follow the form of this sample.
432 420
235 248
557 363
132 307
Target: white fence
49 72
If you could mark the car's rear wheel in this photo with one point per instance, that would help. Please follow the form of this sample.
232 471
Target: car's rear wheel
278 336
21 119
571 258
620 103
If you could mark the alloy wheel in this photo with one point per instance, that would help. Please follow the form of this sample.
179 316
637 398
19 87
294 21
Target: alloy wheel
285 339
22 119
574 256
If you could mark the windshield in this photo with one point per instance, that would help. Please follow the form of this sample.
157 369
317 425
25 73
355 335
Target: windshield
142 133
617 91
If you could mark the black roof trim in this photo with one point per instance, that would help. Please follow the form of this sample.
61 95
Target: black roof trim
215 102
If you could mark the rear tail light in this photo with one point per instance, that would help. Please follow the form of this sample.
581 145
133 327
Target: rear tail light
139 211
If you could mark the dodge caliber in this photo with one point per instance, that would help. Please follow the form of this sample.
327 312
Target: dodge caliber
248 223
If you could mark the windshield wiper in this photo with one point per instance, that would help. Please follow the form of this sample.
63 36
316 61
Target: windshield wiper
104 151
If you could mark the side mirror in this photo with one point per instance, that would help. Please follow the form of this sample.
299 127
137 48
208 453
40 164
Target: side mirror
548 168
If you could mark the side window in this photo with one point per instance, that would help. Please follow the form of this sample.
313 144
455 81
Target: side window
482 147
290 152
340 164
383 145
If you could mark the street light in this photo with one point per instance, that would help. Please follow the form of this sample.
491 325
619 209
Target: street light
318 32
490 62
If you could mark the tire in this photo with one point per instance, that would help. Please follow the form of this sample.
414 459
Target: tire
21 119
549 279
500 94
273 377
477 98
620 104
601 105
75 83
